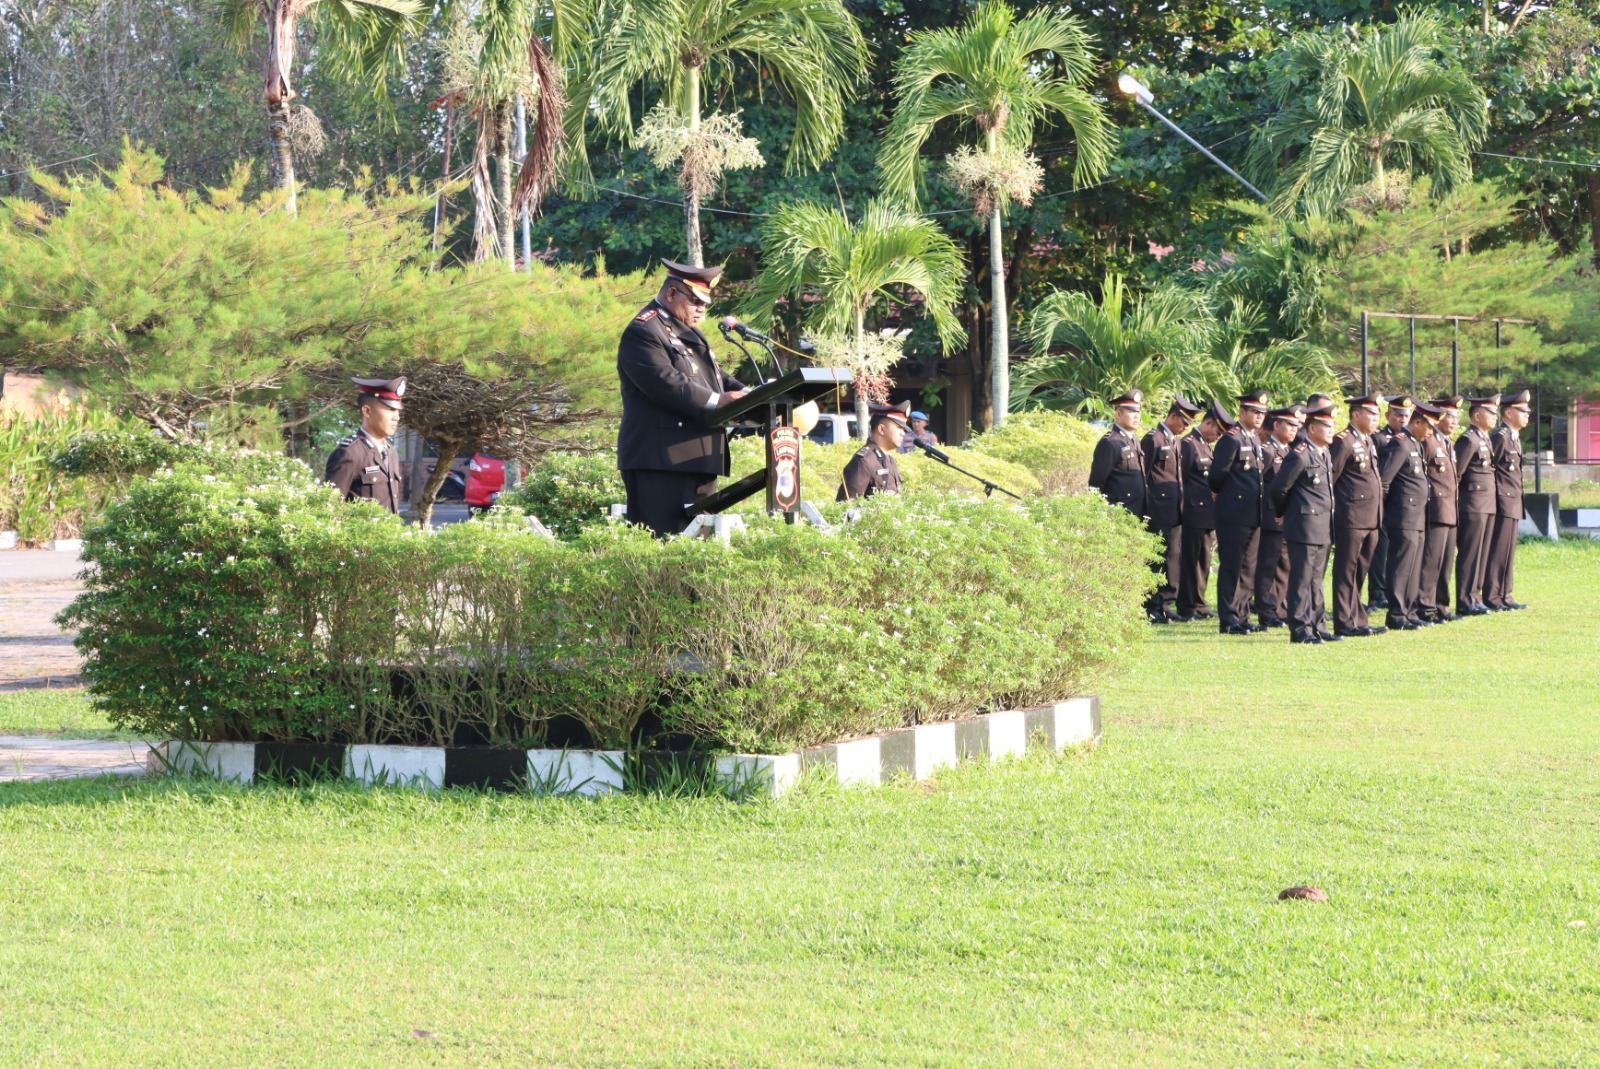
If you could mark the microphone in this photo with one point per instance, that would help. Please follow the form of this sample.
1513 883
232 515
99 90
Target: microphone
934 451
728 323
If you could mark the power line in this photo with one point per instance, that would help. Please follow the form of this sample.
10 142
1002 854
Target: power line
1536 159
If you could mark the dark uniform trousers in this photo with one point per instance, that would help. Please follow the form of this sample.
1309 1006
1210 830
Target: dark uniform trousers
656 498
1357 523
1236 477
1378 574
1475 509
1163 467
1500 572
1405 519
1199 525
1302 494
1439 546
1272 553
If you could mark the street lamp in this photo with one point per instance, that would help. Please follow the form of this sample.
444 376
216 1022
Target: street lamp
1140 93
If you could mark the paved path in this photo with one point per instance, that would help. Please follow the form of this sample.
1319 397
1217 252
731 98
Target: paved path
35 584
29 759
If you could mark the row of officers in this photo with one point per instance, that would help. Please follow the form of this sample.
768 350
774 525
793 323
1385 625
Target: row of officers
1405 510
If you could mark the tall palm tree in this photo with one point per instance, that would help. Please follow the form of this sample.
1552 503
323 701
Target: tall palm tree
493 59
815 252
1005 77
1158 344
359 40
811 50
1349 107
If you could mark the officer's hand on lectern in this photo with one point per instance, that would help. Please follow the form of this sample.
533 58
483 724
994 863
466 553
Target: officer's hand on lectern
731 396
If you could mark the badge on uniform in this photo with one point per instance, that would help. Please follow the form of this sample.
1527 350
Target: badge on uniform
1316 480
371 468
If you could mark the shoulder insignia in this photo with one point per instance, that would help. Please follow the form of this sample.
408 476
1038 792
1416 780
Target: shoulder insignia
347 441
1343 434
1301 448
647 315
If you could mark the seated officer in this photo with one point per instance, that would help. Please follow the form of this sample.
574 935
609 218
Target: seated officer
874 470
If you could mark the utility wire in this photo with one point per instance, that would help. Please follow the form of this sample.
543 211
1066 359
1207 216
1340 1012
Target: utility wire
1536 159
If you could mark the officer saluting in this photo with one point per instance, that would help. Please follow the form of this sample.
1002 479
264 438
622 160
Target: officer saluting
668 454
1236 477
874 469
1163 466
1302 494
364 466
1358 492
1475 505
1117 470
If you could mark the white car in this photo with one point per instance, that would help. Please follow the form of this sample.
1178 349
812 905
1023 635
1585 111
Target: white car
833 428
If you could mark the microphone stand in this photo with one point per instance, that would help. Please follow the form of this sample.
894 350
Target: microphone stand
944 458
727 335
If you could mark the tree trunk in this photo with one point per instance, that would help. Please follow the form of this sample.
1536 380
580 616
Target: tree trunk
504 216
282 153
439 203
1000 349
278 94
423 512
691 196
1594 216
863 412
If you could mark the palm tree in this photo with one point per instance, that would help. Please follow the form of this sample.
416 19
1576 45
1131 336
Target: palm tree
1346 110
812 50
1157 344
816 252
492 61
360 40
1005 76
1244 356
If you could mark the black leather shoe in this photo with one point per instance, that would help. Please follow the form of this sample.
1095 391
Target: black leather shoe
1155 618
1305 640
1512 606
1472 610
1424 621
1377 606
1395 623
1204 614
1446 618
1497 608
1183 618
1375 630
1239 629
1409 625
1358 632
1327 636
1269 622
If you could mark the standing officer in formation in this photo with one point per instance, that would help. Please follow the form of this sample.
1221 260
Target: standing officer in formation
365 465
1163 465
1439 547
1507 448
1302 495
1272 555
1405 516
1117 470
1398 415
668 454
1357 517
1475 504
874 469
1236 478
1199 514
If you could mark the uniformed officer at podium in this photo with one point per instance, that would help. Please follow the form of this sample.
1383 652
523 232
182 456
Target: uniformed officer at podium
364 465
874 469
668 454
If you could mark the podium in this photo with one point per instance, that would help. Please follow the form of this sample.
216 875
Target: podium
769 409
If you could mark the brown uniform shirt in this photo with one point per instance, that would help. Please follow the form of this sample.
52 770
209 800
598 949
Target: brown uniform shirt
870 471
361 470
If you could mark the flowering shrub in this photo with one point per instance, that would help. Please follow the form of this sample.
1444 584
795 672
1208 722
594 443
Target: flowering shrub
228 606
569 491
1055 447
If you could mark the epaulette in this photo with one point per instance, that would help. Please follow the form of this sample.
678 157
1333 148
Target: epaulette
1301 448
647 315
347 441
1343 434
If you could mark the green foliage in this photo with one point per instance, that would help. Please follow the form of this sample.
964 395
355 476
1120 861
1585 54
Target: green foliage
37 500
1350 104
1055 447
569 491
234 607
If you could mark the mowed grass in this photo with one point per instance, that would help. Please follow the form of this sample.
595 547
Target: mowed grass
1114 907
65 713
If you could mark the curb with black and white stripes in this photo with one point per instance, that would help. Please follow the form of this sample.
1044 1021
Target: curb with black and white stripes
917 752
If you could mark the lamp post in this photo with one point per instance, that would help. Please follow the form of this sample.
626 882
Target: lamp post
1137 90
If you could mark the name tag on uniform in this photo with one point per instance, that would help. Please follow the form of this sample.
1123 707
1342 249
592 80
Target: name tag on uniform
371 467
883 471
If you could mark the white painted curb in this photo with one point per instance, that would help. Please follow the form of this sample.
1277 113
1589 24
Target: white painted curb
231 762
411 766
8 540
769 775
588 773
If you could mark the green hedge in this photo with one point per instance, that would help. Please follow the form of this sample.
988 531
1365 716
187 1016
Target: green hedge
1055 447
570 491
239 607
37 500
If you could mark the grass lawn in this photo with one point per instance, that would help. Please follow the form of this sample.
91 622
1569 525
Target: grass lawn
66 713
1107 908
